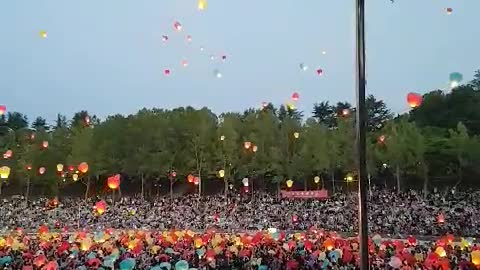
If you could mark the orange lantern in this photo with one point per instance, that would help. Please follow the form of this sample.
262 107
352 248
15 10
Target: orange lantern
3 109
247 145
476 257
414 100
45 144
83 167
190 178
113 182
42 170
59 167
295 96
101 206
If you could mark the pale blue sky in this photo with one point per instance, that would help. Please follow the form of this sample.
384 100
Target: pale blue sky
107 56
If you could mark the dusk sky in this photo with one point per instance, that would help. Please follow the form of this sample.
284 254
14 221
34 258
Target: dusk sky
108 57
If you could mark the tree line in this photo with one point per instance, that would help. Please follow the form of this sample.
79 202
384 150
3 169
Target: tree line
438 141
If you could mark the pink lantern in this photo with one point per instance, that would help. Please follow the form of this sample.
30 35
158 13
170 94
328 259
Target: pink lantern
295 96
166 72
3 109
8 154
177 26
319 72
381 139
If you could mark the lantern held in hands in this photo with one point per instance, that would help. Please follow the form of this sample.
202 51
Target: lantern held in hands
59 167
4 172
245 182
247 145
83 167
190 178
296 135
221 173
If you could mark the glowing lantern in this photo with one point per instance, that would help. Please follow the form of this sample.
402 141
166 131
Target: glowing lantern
164 38
42 170
75 177
217 73
177 26
190 178
71 168
324 52
441 251
196 180
166 72
9 153
381 139
100 206
476 257
4 172
294 218
255 148
83 167
202 4
189 38
245 182
345 112
414 100
247 145
289 183
113 182
349 178
87 120
455 79
59 167
184 63
264 105
29 167
295 96
449 10
45 144
222 138
296 135
316 179
221 173
291 106
441 219
3 109
43 34
319 72
303 67
173 174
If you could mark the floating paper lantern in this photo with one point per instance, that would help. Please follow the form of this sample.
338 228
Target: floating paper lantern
245 182
316 179
222 138
75 177
173 174
319 72
3 109
324 52
289 183
196 180
184 63
217 73
202 4
83 167
59 167
295 96
264 104
4 172
291 106
29 167
381 139
87 120
303 67
441 219
45 144
189 38
296 135
221 173
414 100
113 182
42 170
449 10
190 178
254 148
43 34
100 206
164 38
177 26
455 79
8 153
247 145
345 112
166 72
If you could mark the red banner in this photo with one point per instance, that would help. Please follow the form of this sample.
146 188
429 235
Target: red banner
311 194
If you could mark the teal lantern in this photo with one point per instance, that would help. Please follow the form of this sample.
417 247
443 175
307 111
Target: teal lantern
455 79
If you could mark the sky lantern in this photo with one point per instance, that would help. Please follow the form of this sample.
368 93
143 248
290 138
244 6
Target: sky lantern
42 170
345 112
166 72
188 38
319 72
221 173
296 135
4 172
190 178
59 167
164 38
87 120
291 106
177 26
222 138
381 139
245 182
449 10
295 96
74 177
324 52
202 4
414 100
455 79
289 183
316 179
196 180
3 109
303 67
29 167
217 73
247 145
184 63
45 144
264 104
113 182
43 34
83 167
100 207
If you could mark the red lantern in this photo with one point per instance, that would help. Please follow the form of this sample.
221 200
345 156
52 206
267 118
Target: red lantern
45 144
319 72
113 182
41 170
71 168
101 206
3 109
190 178
414 100
295 96
83 167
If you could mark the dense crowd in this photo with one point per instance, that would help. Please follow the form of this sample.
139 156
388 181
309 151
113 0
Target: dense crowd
209 232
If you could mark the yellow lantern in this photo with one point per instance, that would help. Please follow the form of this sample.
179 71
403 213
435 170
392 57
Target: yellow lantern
221 173
202 4
316 179
349 178
289 183
296 135
43 34
441 252
222 138
59 167
4 172
75 177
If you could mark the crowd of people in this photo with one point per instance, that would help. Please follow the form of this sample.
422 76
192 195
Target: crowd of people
280 233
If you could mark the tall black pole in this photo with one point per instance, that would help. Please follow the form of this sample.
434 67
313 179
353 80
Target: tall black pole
361 133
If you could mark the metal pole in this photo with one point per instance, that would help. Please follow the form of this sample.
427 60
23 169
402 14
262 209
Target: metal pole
361 133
